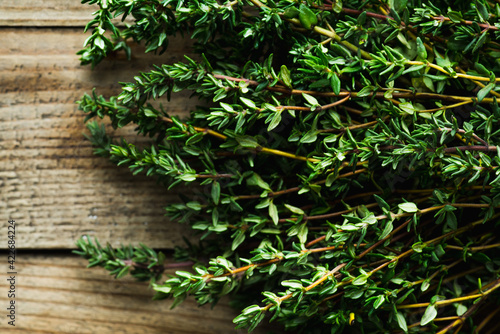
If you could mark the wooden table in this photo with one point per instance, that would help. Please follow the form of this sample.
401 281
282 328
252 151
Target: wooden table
56 190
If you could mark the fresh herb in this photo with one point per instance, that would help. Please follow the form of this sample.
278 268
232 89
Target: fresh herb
346 157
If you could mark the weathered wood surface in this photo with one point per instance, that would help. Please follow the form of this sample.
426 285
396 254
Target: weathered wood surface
36 13
49 180
57 294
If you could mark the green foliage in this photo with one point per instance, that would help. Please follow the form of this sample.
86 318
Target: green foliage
142 262
346 157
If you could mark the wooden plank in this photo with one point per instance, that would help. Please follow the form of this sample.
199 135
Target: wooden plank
56 190
50 181
57 294
45 13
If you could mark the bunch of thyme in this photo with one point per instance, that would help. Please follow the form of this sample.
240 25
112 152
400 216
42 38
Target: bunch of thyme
346 154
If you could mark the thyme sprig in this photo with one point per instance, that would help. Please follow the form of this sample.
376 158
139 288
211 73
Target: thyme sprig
345 155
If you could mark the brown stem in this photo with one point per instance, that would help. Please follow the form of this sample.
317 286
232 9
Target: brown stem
309 287
473 249
315 241
353 127
488 148
213 176
318 108
380 95
486 26
245 268
383 240
259 149
462 318
336 103
464 132
399 215
295 189
385 17
352 110
487 319
327 215
324 249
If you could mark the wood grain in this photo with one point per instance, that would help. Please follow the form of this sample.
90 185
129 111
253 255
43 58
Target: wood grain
50 181
36 13
57 294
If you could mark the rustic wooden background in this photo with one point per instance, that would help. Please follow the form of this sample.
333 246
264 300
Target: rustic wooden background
56 190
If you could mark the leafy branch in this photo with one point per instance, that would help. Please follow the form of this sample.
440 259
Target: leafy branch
343 159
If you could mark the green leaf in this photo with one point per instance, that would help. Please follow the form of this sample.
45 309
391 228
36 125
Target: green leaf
408 207
381 202
403 40
366 91
421 51
256 180
149 113
379 301
194 205
302 233
387 230
188 177
294 209
99 42
275 121
251 309
398 5
480 42
481 69
361 20
162 38
215 218
307 17
240 237
227 107
425 285
349 228
456 42
249 103
285 76
178 123
291 13
309 137
429 315
122 272
461 309
330 179
216 192
360 280
273 213
294 284
407 107
418 247
310 99
247 141
402 321
482 10
162 288
337 6
335 83
485 91
183 274
455 16
429 83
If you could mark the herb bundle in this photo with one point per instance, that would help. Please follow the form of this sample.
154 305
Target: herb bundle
346 154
